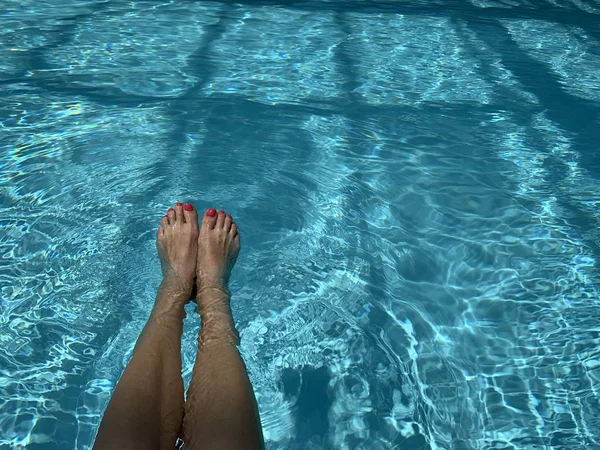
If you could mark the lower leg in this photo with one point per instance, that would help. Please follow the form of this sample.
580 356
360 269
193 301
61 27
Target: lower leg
146 409
221 410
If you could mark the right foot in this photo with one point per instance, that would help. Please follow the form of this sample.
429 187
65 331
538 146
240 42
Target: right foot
218 247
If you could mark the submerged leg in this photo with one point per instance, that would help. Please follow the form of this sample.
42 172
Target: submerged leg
147 406
221 412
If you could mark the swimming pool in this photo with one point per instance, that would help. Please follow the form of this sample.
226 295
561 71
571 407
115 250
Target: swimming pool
415 184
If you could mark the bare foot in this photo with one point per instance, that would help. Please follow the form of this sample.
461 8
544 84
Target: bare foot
218 247
176 241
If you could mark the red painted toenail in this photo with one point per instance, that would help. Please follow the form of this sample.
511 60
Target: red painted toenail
188 207
178 204
171 209
212 212
221 211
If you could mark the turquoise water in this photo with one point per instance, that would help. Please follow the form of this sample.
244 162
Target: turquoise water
416 184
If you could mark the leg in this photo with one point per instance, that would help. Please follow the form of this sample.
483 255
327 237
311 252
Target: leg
221 412
146 409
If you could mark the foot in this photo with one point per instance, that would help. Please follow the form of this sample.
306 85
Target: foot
218 248
176 242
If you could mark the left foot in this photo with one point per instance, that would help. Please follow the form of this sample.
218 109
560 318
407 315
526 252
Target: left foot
177 243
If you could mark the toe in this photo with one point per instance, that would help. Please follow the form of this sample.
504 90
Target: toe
164 223
228 222
220 219
209 219
171 215
233 230
190 215
179 212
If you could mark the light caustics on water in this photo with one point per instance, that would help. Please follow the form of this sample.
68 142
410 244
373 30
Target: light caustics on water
415 186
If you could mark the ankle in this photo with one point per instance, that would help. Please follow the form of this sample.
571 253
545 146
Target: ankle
168 307
215 312
211 289
204 280
218 327
173 286
213 300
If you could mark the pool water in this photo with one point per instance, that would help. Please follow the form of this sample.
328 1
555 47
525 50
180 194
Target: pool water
416 185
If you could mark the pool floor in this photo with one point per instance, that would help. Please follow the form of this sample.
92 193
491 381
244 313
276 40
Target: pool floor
415 185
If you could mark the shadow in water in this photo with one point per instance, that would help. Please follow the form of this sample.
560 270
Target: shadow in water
309 387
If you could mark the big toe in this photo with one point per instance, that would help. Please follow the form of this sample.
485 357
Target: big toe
209 219
190 215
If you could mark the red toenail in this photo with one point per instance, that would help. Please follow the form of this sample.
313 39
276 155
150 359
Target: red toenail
178 204
171 209
212 212
221 212
188 207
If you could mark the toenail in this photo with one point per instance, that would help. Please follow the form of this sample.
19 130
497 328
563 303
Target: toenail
178 204
171 209
221 212
188 207
212 212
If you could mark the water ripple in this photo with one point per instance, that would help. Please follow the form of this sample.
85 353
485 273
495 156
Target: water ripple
420 231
